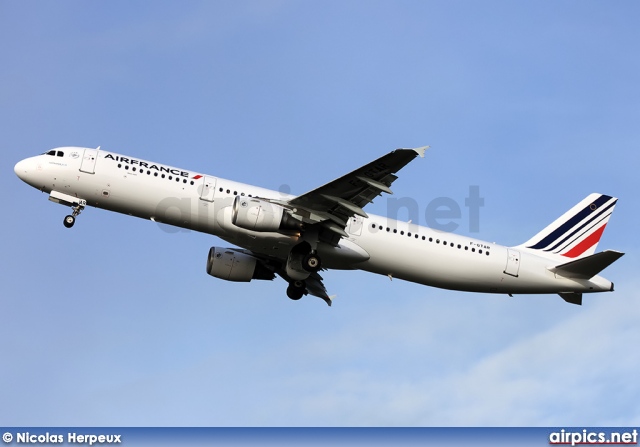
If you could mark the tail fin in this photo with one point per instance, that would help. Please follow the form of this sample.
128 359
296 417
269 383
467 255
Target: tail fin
577 232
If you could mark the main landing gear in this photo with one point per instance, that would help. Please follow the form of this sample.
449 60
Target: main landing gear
70 220
311 262
302 262
296 290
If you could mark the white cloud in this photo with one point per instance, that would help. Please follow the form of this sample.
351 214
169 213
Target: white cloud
580 371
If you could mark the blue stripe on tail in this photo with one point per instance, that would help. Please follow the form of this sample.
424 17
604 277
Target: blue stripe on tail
587 223
562 229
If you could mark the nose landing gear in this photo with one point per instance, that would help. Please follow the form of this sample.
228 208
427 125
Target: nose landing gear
70 220
77 205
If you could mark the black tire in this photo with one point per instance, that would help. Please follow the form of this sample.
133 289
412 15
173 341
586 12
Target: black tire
69 221
311 263
296 290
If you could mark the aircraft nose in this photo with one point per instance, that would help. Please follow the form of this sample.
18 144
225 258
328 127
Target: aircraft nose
21 169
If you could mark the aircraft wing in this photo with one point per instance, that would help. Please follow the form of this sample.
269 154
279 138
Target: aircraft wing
337 201
313 283
330 206
316 288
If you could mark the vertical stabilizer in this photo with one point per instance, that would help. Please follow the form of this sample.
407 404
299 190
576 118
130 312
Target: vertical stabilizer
577 232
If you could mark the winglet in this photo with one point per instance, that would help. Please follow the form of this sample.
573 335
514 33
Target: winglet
328 299
421 150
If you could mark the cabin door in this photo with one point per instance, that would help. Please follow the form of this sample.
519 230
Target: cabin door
354 226
88 163
208 189
513 262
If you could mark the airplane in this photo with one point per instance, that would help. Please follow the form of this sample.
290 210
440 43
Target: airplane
296 237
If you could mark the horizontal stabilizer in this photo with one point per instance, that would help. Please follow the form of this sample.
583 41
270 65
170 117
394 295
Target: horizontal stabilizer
573 298
587 267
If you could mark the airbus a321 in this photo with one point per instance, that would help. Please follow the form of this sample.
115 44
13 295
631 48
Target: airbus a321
296 237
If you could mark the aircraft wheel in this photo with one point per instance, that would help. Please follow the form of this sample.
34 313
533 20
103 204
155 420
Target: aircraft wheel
296 290
69 221
311 263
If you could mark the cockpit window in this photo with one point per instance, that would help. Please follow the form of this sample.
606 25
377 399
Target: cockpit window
54 153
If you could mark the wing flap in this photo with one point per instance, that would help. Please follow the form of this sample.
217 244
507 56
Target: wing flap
355 209
313 283
316 288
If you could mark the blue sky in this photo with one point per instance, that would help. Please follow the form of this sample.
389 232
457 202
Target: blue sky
116 322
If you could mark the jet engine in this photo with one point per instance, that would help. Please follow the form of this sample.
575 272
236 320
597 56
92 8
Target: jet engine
258 215
233 265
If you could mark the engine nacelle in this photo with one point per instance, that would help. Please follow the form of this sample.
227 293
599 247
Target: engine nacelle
258 215
231 265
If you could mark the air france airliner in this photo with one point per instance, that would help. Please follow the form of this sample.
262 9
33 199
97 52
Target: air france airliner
297 237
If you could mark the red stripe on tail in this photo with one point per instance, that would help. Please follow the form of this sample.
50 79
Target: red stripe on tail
585 245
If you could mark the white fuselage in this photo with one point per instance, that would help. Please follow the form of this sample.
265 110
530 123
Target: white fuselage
376 244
